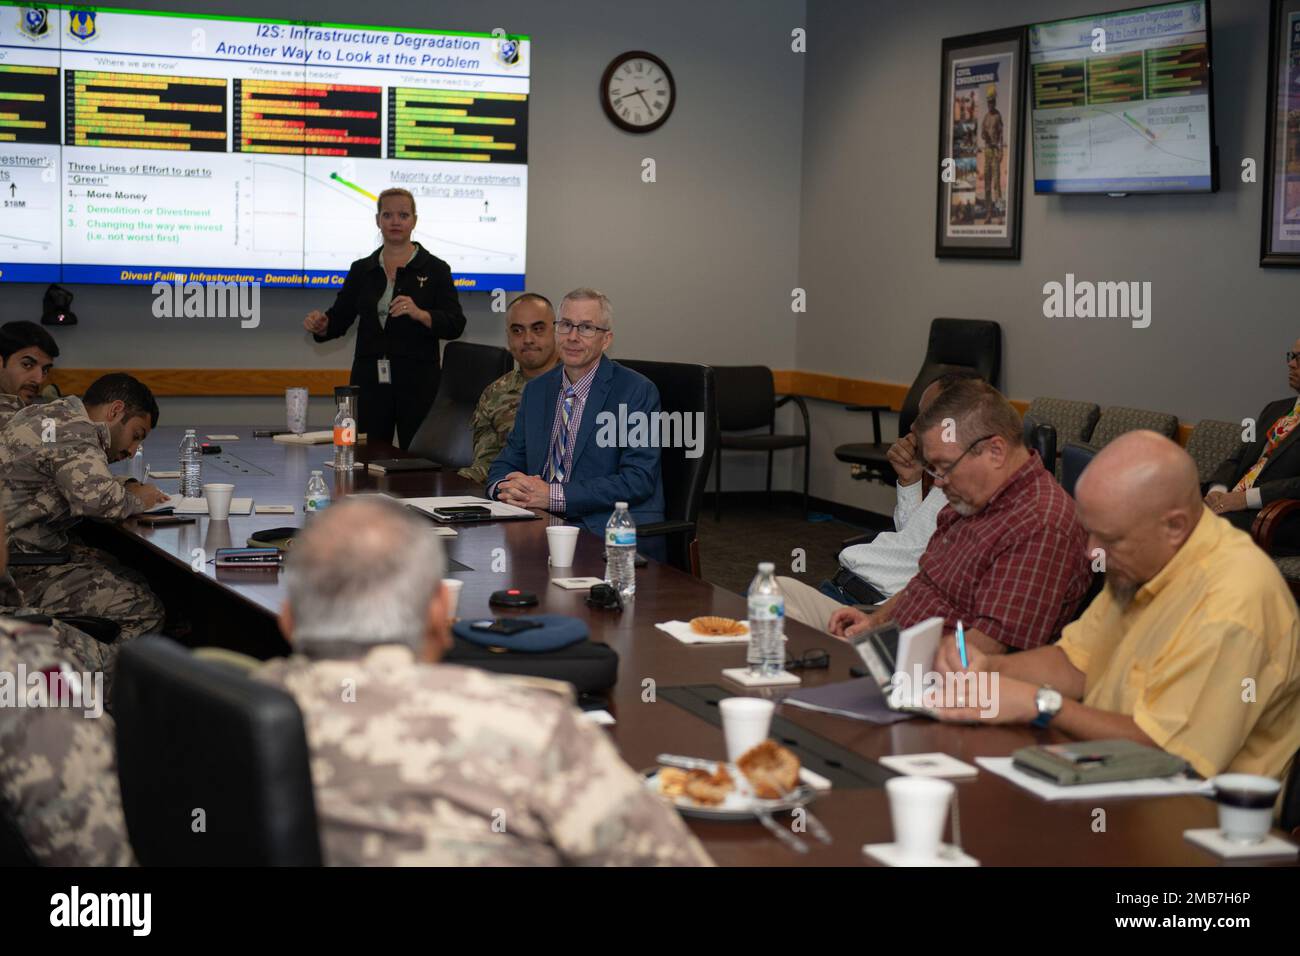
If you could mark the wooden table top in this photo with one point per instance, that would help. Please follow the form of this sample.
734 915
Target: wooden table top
1000 823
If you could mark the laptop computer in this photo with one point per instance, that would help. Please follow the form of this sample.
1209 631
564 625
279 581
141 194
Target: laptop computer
899 659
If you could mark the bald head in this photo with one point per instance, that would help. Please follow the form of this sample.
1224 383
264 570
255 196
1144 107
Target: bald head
1139 500
1143 472
365 571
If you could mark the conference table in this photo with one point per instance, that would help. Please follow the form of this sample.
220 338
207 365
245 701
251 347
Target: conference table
1000 823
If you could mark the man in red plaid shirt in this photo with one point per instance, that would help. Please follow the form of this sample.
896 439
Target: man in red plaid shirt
1008 557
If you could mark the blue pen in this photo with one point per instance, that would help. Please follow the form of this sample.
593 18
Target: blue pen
961 644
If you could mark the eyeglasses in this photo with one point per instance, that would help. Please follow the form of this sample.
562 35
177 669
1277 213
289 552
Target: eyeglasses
943 475
585 329
815 659
1291 357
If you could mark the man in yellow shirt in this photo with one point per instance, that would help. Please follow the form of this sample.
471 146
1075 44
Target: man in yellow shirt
1193 645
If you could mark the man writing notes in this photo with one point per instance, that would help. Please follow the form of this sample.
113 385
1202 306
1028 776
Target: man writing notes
1007 557
54 462
1192 646
530 336
555 458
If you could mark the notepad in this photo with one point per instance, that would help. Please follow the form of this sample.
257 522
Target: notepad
306 438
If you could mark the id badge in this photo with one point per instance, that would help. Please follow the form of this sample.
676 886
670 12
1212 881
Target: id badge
385 372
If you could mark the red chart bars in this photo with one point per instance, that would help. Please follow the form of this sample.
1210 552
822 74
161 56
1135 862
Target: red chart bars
308 119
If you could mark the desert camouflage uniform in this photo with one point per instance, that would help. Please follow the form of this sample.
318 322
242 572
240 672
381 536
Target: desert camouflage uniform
439 765
58 773
9 406
494 416
46 488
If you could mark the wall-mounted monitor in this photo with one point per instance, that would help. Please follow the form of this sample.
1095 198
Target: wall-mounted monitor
1124 102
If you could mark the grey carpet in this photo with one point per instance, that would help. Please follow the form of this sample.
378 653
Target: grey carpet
731 549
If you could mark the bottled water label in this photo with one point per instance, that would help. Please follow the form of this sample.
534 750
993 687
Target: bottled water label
763 608
318 503
625 537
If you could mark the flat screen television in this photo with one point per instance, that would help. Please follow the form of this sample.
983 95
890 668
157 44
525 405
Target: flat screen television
1124 102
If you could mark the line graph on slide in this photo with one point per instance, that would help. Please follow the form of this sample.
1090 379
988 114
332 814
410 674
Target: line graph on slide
325 213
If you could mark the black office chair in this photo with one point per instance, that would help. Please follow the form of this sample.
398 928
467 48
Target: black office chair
747 400
1074 459
195 735
690 390
1042 439
446 435
954 344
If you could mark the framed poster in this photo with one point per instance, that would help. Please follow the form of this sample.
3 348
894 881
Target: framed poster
1280 244
981 159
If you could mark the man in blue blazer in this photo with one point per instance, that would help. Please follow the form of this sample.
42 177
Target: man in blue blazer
571 451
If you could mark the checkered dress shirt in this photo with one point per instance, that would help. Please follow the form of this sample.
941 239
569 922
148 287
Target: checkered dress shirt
1016 570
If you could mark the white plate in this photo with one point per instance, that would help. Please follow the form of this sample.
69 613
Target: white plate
740 803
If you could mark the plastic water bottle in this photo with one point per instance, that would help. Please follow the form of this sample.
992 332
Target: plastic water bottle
345 437
137 463
620 551
318 494
766 653
191 466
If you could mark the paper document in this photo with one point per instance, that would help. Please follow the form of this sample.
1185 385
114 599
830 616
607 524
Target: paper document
1149 787
199 506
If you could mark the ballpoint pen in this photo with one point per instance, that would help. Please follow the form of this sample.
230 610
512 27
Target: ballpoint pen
961 644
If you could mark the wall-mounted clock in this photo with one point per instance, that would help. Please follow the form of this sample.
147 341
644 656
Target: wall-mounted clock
637 91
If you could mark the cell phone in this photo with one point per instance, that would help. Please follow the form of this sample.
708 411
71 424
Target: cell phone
505 625
462 513
264 433
156 520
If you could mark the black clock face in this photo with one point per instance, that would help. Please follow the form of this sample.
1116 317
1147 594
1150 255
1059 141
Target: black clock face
637 92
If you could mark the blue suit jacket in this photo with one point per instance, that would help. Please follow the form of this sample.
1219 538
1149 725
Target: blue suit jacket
600 475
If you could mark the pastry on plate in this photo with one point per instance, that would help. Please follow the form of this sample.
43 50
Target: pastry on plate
771 769
718 626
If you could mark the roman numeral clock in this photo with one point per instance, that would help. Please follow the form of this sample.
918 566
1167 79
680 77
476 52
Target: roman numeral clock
637 92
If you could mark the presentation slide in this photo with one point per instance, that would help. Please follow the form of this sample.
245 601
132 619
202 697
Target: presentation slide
138 147
1121 102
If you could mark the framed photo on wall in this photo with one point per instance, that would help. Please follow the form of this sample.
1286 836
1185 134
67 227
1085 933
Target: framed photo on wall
1281 236
981 158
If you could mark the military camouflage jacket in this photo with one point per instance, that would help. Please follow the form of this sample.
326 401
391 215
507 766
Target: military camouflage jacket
46 487
58 773
9 406
439 765
494 416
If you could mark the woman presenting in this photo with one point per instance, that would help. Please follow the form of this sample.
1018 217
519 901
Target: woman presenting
406 301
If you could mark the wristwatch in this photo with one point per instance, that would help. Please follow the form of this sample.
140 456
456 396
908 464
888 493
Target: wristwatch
1048 701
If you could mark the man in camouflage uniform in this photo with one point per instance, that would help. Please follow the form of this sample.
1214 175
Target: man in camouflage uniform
53 472
27 353
58 773
420 763
530 336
